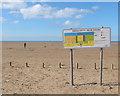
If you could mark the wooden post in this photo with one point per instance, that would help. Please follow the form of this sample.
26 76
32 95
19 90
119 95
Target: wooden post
101 64
77 66
60 65
71 67
27 64
112 66
43 65
10 63
95 66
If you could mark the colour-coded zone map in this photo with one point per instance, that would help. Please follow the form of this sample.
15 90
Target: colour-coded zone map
79 39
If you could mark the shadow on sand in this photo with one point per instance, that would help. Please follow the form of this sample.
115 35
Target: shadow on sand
103 84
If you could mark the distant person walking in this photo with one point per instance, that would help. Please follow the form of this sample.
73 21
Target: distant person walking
25 45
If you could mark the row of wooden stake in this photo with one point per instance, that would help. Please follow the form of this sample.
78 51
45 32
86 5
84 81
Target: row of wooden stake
95 67
60 65
27 65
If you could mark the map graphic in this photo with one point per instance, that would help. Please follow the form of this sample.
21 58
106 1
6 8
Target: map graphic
79 39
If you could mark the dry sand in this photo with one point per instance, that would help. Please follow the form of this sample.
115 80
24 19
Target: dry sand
52 79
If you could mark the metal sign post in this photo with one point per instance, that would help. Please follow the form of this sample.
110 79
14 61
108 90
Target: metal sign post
71 67
101 64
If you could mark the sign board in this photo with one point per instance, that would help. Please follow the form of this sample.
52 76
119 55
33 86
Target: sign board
87 37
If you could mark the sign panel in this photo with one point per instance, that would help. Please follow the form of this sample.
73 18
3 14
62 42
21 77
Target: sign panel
87 37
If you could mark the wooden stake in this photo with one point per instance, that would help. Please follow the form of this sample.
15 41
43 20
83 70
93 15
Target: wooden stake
77 66
43 65
95 66
60 65
10 63
27 64
112 66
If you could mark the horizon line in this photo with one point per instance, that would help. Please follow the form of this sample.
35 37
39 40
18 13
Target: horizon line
36 41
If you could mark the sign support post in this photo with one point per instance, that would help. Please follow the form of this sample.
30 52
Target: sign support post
71 67
101 64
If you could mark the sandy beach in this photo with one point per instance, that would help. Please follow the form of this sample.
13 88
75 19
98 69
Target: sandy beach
34 79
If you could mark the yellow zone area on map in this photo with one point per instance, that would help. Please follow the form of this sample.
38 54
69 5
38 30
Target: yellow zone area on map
88 43
71 45
69 39
80 38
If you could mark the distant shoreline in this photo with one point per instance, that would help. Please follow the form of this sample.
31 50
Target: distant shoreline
50 41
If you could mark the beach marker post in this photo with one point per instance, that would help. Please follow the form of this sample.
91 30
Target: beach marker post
95 66
112 66
71 67
101 64
77 66
60 65
27 64
10 63
43 65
